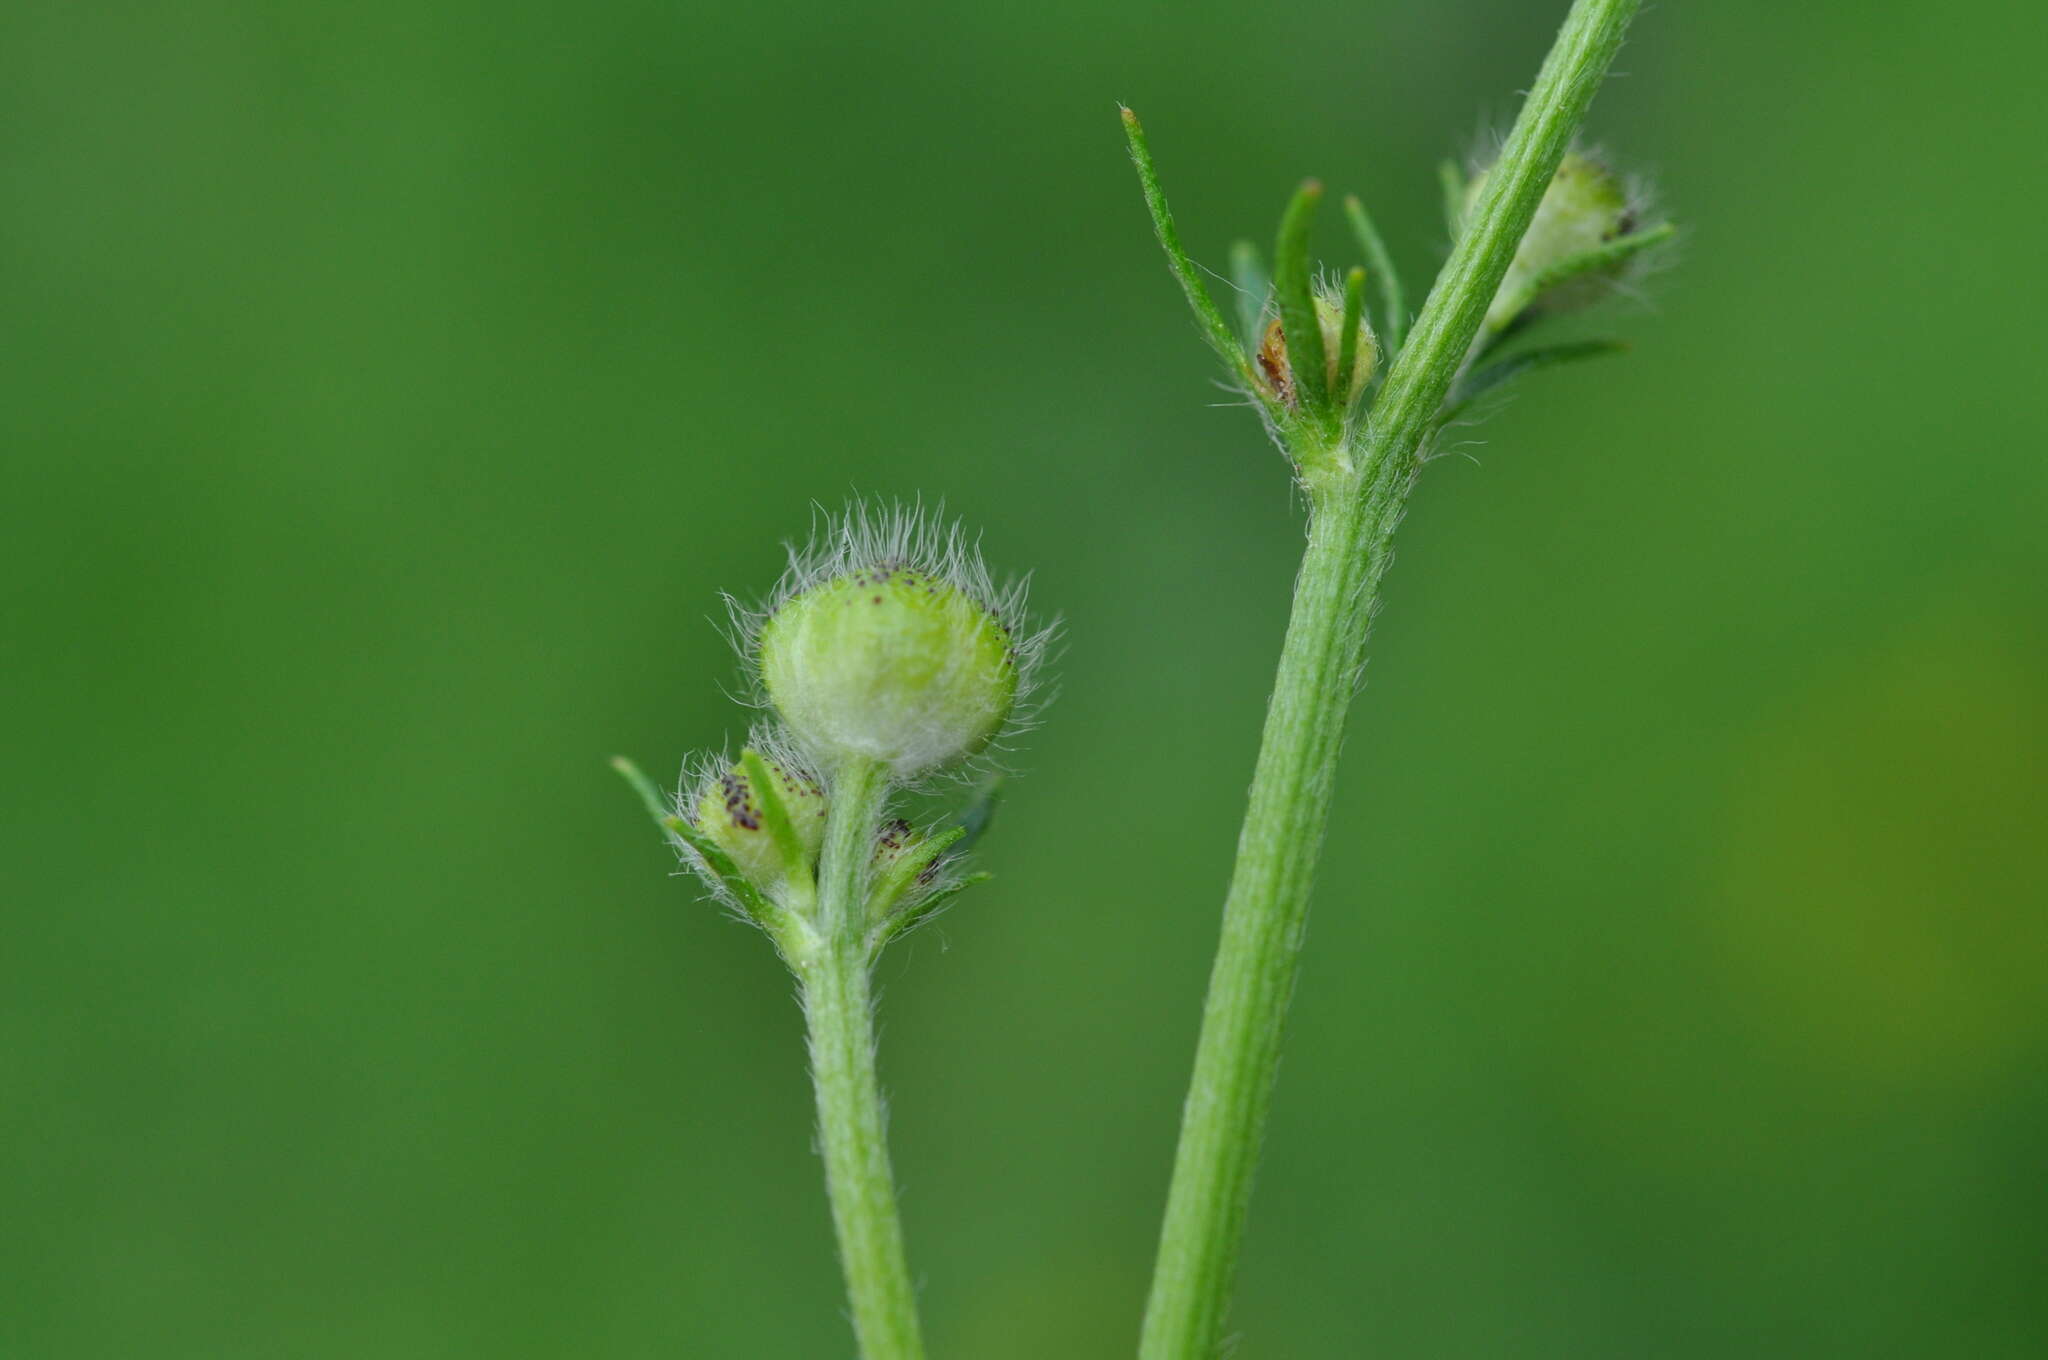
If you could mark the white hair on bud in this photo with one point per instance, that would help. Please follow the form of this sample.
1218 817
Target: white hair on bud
771 741
701 769
867 533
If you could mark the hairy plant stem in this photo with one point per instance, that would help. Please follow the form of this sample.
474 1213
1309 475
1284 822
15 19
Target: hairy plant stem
1263 918
839 1007
1357 490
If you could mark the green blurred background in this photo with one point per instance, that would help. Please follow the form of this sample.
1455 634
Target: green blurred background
389 390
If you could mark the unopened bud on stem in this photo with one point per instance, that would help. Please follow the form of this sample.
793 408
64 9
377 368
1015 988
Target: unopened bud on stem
1586 208
895 649
733 812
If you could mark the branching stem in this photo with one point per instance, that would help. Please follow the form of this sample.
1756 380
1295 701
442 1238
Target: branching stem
1355 503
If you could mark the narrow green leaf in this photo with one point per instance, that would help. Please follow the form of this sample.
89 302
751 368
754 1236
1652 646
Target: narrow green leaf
726 875
1605 256
1214 327
1347 343
1248 276
1294 291
713 862
915 916
657 806
1393 298
1452 176
1481 381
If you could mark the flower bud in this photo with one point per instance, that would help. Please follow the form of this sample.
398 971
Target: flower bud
729 812
892 662
1585 207
1278 372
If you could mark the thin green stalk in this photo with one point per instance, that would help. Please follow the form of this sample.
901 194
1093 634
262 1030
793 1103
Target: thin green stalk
1248 278
1355 503
1254 972
839 1007
1293 289
1393 304
1451 177
1214 328
1347 332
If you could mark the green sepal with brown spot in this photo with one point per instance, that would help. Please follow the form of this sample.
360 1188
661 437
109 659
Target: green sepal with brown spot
796 846
770 821
905 859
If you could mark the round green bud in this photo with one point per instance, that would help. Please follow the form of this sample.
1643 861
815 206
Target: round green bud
1278 372
892 663
729 812
1585 207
